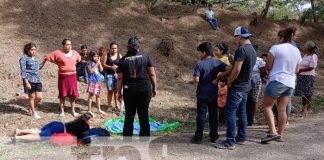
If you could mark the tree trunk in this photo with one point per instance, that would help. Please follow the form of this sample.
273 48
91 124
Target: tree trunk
314 10
264 13
196 5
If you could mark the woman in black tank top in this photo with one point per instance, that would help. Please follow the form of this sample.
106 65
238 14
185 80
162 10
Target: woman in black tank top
110 65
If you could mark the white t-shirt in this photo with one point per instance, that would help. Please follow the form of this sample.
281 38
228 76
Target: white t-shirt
286 58
209 13
256 69
309 61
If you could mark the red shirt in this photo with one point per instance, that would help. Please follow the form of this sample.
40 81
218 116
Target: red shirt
66 65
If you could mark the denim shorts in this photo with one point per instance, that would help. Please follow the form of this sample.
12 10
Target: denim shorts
111 82
277 89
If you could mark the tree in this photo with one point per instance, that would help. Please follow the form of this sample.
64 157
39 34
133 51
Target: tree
196 5
264 13
314 10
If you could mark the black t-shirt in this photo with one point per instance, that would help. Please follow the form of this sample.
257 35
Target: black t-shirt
134 68
111 62
247 54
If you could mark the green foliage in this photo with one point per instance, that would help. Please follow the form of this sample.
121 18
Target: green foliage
307 15
318 103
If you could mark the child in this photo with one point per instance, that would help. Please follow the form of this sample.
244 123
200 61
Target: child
94 68
30 66
204 74
81 66
221 100
220 53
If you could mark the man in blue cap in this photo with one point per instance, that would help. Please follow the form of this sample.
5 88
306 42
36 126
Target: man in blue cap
239 85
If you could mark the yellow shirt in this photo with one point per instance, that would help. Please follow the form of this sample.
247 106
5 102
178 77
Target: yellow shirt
225 60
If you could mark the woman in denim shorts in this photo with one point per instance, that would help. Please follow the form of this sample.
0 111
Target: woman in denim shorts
283 64
110 64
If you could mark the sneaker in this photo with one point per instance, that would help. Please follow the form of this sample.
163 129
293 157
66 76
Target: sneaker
36 116
74 114
62 114
224 145
195 140
269 138
239 142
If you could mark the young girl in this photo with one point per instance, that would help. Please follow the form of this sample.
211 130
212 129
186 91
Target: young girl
221 99
220 53
94 68
29 65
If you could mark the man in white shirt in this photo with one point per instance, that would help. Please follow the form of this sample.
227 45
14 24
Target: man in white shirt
210 17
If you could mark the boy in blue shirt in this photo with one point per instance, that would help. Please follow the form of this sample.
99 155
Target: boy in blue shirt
205 76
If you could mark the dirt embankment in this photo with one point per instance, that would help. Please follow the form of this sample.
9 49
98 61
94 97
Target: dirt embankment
98 22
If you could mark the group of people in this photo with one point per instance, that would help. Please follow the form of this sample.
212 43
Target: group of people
231 86
228 86
135 72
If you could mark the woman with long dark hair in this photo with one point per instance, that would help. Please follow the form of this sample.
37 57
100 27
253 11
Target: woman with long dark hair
110 64
136 75
29 66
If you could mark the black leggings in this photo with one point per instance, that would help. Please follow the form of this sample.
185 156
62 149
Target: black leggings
137 97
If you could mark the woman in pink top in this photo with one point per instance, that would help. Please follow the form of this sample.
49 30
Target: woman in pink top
306 76
66 61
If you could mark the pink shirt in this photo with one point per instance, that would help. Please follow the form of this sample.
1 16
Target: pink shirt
309 61
222 95
66 65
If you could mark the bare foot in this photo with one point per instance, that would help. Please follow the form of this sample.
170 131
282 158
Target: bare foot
102 112
17 132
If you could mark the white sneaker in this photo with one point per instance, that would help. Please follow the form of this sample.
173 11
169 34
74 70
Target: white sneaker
36 116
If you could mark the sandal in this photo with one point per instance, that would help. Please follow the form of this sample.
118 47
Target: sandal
74 114
269 138
62 114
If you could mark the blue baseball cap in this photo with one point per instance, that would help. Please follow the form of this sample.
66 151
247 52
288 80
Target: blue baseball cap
242 31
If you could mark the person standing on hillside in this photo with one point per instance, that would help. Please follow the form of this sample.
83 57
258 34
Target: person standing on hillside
283 63
306 76
220 53
205 72
210 17
81 66
110 63
66 61
136 75
253 95
29 66
239 84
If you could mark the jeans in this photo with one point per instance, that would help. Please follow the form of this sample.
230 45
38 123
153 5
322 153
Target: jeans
204 106
82 71
137 98
236 102
213 23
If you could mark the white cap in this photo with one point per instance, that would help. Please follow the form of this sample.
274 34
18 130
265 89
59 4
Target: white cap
242 31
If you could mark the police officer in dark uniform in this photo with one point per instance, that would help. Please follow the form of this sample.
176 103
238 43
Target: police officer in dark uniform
136 75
